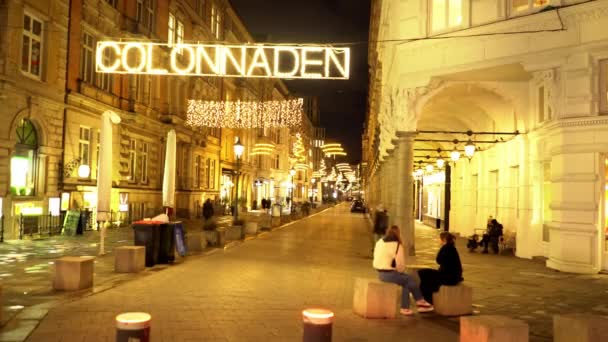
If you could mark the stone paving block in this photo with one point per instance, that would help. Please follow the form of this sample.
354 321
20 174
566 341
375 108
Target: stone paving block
454 300
580 328
493 328
73 273
129 259
375 299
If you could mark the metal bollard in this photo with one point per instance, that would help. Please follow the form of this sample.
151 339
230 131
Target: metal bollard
317 325
133 327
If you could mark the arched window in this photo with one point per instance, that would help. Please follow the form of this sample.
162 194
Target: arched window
23 161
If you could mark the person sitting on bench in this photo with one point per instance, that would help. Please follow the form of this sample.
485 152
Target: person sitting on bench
492 237
450 268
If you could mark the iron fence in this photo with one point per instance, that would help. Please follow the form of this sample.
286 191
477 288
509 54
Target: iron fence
40 225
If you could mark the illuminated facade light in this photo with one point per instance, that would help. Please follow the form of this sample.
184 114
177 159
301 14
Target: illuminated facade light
84 171
455 155
244 114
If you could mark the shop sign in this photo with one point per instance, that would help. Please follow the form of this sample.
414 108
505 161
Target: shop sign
254 61
123 205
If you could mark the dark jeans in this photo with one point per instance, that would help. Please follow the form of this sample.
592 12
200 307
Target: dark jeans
430 282
491 241
407 284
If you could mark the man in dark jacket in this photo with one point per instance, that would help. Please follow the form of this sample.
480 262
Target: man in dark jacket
492 236
208 209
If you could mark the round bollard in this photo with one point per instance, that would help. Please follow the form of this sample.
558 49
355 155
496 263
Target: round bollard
133 326
317 325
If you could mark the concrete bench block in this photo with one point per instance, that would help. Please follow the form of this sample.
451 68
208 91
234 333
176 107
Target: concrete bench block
129 259
493 328
251 228
453 300
580 328
196 241
73 273
234 233
376 299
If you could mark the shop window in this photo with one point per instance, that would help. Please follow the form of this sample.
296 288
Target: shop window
446 15
603 86
525 6
31 50
84 146
23 161
87 53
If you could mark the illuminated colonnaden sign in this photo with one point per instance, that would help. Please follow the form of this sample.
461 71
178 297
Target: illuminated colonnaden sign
265 61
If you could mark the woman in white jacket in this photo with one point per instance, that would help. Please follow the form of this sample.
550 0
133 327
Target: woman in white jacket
389 262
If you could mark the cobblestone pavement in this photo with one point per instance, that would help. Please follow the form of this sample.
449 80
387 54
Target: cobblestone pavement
258 289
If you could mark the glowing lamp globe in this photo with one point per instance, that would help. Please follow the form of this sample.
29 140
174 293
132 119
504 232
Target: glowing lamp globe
455 155
440 163
469 149
84 171
292 172
429 168
238 148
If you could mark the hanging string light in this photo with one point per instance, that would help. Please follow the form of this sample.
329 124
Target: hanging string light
262 149
469 149
244 114
333 149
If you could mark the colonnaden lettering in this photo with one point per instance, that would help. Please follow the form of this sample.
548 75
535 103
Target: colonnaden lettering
270 61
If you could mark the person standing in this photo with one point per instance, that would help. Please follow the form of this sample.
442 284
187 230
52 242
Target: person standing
208 209
450 268
380 225
389 262
492 237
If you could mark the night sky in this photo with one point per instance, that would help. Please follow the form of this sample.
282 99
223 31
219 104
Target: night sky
343 103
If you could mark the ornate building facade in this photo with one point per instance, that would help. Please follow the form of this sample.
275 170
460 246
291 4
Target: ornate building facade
52 100
520 88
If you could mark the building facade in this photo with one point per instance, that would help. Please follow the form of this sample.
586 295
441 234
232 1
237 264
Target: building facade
525 83
53 99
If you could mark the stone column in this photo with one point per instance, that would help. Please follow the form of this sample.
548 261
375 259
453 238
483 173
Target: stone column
389 205
403 188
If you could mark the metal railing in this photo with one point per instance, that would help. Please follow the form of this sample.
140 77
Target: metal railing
40 225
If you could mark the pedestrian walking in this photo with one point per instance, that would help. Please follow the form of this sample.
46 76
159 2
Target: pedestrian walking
449 272
389 262
263 203
208 209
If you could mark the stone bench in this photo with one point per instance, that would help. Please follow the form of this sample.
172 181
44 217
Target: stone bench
234 233
376 299
453 300
492 329
580 328
196 241
129 259
215 237
251 228
73 273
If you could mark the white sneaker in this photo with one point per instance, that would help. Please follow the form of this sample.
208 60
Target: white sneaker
406 312
425 308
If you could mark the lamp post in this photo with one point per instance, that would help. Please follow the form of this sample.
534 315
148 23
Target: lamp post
292 172
238 152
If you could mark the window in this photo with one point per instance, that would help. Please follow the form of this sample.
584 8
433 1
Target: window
145 13
144 162
197 172
202 8
604 86
212 175
171 32
143 86
207 174
541 104
179 39
277 163
519 6
84 146
111 2
216 21
105 79
87 71
132 159
23 161
175 35
446 14
31 50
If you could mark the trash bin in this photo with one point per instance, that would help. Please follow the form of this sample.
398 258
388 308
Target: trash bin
147 233
166 247
180 244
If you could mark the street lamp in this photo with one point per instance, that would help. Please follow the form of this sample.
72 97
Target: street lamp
292 172
238 152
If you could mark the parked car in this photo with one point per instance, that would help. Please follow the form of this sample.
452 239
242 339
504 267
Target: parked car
357 206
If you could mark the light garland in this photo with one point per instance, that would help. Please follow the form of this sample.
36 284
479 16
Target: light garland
333 149
262 149
245 114
299 151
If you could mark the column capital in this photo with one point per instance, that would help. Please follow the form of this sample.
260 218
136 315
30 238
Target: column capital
406 135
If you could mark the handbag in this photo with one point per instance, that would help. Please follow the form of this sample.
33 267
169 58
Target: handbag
394 262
